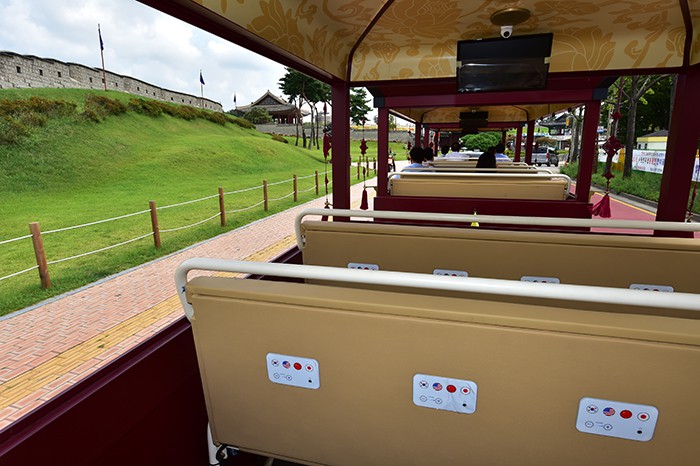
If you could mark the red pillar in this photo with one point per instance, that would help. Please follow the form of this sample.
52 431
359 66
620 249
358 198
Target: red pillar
589 146
683 136
419 128
382 150
340 119
503 137
518 142
529 141
426 135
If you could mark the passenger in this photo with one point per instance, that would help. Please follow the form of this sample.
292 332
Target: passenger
487 159
417 156
444 150
454 152
429 155
500 156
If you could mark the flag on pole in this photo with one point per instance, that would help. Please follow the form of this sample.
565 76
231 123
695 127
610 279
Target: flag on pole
99 33
201 78
234 99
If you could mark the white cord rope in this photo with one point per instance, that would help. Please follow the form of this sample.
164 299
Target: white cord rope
243 190
99 250
280 198
307 190
280 182
305 177
245 208
15 239
187 202
19 273
94 223
191 225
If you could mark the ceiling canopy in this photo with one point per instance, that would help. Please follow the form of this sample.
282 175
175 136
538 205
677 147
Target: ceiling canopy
363 41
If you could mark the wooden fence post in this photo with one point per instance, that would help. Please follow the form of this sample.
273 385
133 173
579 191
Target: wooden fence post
265 194
358 169
222 209
317 182
367 165
374 165
296 192
154 223
40 255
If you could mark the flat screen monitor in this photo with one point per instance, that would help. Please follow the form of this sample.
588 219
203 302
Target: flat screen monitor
516 63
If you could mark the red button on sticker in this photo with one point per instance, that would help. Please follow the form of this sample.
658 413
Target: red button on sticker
625 414
451 388
297 366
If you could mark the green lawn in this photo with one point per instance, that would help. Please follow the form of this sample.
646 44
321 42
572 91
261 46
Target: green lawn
73 171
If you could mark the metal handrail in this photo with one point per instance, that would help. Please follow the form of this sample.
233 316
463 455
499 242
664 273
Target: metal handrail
494 219
547 291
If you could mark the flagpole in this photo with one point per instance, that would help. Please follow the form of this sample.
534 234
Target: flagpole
102 55
201 87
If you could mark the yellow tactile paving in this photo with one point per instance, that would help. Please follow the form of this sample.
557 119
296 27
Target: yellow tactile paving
19 387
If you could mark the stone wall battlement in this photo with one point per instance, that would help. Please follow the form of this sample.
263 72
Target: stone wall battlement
23 71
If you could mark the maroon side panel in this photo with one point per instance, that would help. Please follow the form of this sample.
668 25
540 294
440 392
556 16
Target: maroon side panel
146 407
527 208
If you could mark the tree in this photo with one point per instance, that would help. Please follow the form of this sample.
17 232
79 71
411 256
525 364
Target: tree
358 106
306 90
481 141
258 115
392 122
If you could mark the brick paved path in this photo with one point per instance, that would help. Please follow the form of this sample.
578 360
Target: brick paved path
49 348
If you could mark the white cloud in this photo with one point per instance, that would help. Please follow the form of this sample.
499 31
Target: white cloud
139 42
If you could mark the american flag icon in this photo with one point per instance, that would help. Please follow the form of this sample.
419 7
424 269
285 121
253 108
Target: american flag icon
286 364
437 386
608 411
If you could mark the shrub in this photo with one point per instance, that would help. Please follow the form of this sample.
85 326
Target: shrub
150 108
258 115
277 137
103 106
12 131
215 117
242 122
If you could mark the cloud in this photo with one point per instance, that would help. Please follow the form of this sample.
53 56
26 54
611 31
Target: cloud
139 42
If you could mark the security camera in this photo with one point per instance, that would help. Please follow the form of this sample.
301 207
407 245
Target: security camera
506 31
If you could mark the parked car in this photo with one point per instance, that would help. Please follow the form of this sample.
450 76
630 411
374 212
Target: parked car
545 155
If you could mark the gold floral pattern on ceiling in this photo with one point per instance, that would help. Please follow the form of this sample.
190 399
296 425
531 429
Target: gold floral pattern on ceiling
417 38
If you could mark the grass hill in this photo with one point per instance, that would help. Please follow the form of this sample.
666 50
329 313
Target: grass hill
81 163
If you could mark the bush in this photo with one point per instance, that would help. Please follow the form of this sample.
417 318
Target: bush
12 131
481 141
277 137
151 108
242 122
258 115
98 107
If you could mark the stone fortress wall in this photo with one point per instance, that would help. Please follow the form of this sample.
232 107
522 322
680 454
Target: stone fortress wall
22 71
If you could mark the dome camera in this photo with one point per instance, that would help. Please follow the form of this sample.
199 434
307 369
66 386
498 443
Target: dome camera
506 31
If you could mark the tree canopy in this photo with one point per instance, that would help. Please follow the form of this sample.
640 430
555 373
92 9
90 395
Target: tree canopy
358 106
481 141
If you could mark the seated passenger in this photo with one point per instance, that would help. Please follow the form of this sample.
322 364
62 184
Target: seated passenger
454 152
417 156
487 159
429 155
500 156
444 150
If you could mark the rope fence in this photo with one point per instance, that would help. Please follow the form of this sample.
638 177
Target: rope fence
36 233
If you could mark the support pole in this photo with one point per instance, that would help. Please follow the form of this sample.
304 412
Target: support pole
296 192
265 198
382 149
589 145
316 173
340 93
683 138
40 255
518 142
529 141
222 208
154 223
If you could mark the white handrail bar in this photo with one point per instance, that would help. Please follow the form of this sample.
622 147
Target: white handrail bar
486 176
548 291
501 170
496 219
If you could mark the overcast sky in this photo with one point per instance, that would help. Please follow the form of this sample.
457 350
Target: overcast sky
139 42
